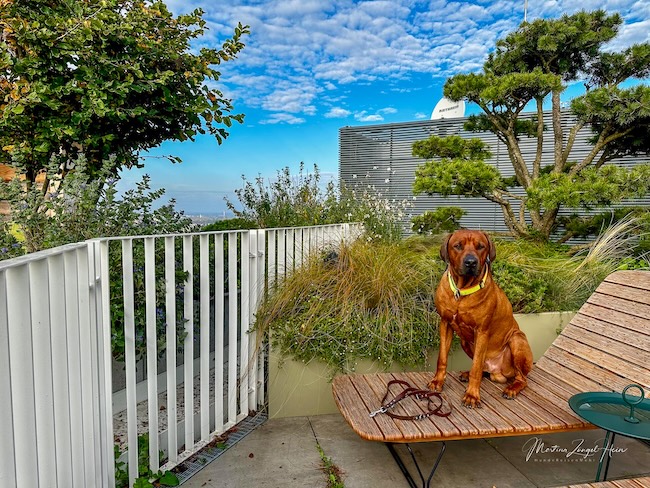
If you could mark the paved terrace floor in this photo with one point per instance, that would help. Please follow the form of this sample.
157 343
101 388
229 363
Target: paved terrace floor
283 453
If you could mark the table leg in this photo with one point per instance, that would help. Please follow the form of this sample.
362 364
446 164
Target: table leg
425 483
602 457
609 454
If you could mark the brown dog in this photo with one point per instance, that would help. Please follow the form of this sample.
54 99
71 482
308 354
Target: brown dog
472 305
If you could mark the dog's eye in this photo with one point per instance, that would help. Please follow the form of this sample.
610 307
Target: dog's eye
480 246
458 246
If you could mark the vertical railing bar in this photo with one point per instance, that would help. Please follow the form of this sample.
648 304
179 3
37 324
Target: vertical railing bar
170 349
282 255
22 374
245 260
259 346
232 328
291 242
88 386
251 363
7 431
204 324
94 308
42 355
129 358
271 273
151 314
218 332
107 361
71 285
188 345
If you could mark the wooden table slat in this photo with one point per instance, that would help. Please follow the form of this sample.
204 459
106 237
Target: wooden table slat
631 278
611 347
625 292
598 313
631 338
616 365
620 305
353 409
600 376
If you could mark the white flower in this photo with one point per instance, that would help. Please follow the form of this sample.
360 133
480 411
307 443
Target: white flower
387 180
354 177
388 169
374 167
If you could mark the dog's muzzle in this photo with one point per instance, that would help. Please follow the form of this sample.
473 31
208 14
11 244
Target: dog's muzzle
470 265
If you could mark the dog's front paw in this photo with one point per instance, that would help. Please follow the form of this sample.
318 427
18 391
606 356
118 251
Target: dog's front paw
513 389
464 376
471 400
436 384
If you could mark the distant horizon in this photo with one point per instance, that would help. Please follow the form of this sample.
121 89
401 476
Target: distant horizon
311 67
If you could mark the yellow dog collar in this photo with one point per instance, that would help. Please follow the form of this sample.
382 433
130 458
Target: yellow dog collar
466 291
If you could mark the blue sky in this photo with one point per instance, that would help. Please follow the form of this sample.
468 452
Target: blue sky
313 66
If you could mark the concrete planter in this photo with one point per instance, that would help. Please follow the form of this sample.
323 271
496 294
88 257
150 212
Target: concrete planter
297 389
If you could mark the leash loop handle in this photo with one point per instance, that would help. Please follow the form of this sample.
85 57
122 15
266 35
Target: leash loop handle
410 391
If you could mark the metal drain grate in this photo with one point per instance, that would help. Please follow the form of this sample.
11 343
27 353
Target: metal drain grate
200 460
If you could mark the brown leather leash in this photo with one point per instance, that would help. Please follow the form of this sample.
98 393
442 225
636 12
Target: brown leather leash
411 391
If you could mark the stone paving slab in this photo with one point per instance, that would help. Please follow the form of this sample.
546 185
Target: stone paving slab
280 454
283 453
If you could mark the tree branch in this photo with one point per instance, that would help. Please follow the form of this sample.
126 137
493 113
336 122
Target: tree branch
540 138
573 133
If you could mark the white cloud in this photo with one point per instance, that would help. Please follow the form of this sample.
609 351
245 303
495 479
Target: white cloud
300 48
387 110
283 118
337 113
420 116
363 116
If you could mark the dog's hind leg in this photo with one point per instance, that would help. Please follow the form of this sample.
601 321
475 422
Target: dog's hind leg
522 361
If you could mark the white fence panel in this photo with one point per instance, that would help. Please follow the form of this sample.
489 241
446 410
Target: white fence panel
56 320
53 433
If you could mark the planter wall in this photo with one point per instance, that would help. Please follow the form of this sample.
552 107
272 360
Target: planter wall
298 389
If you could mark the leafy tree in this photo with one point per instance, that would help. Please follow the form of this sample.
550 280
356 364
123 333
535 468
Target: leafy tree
104 78
529 66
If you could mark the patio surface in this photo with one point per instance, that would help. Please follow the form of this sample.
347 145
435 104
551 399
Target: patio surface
283 453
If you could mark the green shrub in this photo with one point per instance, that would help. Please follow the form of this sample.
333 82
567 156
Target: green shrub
290 201
442 219
230 224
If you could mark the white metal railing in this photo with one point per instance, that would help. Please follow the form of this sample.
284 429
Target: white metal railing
59 314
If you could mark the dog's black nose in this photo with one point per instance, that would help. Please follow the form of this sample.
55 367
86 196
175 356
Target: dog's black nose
470 261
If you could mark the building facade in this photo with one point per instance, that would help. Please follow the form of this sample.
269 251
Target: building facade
380 157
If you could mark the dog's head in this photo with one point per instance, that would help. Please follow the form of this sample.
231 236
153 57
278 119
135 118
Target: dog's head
467 251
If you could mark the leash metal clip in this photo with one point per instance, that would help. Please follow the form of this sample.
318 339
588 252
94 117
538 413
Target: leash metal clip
380 410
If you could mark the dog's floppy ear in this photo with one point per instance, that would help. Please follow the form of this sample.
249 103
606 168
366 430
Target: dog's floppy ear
492 251
444 252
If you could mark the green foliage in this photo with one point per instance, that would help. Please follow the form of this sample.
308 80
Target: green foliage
229 224
451 147
290 201
146 477
529 65
442 219
592 187
456 177
105 77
